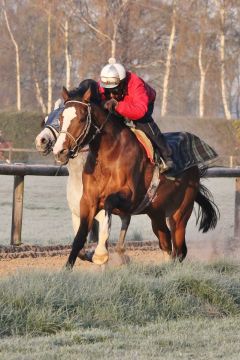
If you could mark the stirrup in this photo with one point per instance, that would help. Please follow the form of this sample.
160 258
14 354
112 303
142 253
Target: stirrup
163 167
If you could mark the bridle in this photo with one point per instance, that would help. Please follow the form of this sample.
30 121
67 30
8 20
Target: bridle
54 131
79 141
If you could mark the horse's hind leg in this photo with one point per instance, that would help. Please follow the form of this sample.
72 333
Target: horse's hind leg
178 223
121 240
163 234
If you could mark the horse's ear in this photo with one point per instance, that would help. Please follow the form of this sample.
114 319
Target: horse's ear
42 122
65 94
87 95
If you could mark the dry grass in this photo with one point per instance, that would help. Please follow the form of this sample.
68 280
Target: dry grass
165 312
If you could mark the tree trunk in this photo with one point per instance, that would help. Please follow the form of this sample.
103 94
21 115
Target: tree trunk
18 78
36 82
202 81
168 65
67 56
113 48
39 95
222 57
49 65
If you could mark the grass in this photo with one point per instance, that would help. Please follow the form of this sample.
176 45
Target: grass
167 340
130 312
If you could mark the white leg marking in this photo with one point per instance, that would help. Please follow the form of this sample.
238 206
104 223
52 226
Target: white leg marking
101 254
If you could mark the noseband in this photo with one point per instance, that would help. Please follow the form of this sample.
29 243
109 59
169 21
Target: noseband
53 131
78 142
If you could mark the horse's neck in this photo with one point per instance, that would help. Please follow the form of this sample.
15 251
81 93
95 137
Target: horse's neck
75 166
110 125
117 141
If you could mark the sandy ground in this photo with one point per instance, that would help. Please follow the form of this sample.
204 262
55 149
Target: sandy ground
138 255
56 263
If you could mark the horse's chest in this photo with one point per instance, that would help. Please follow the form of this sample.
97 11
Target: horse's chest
74 194
103 176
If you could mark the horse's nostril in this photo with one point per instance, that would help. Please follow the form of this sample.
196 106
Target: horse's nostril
43 141
63 151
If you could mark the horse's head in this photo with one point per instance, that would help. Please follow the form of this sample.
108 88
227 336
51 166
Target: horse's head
46 139
75 123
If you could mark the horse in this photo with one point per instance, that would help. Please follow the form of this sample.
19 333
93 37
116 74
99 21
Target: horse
118 177
44 143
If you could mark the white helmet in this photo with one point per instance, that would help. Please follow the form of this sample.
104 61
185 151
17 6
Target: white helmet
112 74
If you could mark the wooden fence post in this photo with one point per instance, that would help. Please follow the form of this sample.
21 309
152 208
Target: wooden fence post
10 154
17 209
237 210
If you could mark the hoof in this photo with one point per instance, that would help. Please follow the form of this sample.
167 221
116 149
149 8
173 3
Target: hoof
120 250
100 259
86 255
167 257
68 267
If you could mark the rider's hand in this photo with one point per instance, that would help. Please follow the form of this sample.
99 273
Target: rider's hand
110 104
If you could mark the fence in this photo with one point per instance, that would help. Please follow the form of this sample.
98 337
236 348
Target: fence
7 154
9 151
19 171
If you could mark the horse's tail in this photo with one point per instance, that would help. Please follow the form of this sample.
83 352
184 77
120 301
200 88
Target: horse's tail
208 212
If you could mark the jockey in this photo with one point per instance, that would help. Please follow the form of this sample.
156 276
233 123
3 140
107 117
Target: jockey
132 98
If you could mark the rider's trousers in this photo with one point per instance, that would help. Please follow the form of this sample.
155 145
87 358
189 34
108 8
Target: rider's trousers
151 129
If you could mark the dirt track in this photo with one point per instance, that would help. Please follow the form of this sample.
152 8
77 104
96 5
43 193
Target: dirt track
56 263
54 258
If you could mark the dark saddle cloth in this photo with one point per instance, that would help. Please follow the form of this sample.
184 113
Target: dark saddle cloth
188 150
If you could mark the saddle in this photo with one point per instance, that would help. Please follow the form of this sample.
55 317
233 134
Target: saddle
145 142
187 150
153 154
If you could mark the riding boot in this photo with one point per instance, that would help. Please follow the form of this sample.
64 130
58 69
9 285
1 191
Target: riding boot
153 132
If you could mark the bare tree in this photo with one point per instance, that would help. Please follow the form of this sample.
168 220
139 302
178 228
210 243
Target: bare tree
168 63
67 55
203 65
17 60
222 14
171 44
38 90
113 14
49 61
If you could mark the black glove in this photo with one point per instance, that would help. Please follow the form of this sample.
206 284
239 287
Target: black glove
110 105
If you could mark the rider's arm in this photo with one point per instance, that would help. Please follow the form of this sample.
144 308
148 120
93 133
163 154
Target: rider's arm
135 103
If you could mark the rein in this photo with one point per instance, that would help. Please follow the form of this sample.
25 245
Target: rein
80 139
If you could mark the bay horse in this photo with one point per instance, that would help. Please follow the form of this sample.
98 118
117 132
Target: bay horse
44 143
117 176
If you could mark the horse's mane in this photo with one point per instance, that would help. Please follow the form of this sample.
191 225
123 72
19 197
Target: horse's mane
95 98
83 87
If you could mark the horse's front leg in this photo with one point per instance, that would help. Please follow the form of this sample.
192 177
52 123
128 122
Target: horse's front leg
86 220
100 255
120 201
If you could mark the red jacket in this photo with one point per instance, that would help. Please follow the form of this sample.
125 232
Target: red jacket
137 99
